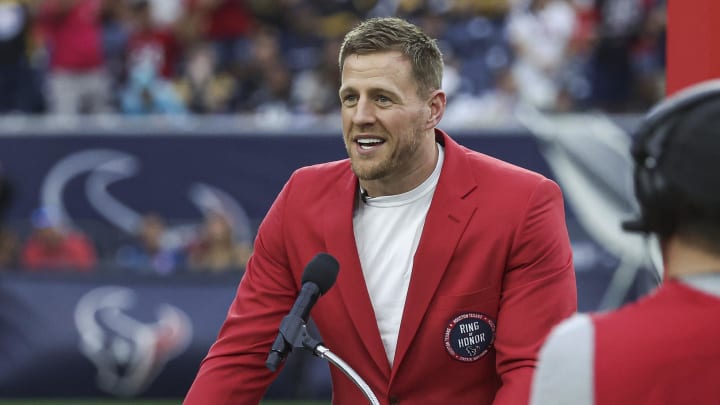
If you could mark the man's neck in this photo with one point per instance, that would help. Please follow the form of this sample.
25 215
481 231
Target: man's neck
683 258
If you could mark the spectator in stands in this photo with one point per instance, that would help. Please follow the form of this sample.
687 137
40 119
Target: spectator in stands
618 27
648 56
497 104
273 96
151 252
19 79
202 88
167 13
315 90
227 24
263 79
151 54
216 249
116 30
301 36
77 78
149 41
540 34
147 92
54 246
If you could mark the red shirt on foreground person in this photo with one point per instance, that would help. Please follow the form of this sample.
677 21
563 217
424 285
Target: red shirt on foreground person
453 265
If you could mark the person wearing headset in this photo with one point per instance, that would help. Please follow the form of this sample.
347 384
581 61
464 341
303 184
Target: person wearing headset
663 348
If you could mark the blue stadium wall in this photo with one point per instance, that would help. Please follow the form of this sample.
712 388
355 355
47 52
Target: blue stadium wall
109 334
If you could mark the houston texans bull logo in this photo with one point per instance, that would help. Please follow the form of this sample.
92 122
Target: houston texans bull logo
127 352
104 167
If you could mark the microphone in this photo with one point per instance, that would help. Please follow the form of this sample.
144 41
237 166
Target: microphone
319 275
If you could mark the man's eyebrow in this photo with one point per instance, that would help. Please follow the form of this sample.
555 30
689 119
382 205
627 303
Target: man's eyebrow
371 91
344 90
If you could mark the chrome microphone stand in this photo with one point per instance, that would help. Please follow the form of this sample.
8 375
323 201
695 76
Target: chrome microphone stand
325 353
294 331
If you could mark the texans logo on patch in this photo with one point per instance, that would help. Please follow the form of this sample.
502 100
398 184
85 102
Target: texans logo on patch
469 336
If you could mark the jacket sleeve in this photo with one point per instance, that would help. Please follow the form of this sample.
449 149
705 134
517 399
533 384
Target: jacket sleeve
538 291
234 372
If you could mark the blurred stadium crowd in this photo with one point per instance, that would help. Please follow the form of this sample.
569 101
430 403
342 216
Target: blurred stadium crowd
248 56
53 243
279 57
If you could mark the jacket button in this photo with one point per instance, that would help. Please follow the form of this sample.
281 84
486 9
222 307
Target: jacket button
394 400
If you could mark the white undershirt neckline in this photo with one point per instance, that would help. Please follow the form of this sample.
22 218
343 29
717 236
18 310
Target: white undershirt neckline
387 233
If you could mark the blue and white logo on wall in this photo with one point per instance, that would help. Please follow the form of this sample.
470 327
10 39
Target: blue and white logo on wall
128 353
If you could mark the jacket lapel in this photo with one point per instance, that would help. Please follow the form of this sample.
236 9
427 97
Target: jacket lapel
446 220
340 241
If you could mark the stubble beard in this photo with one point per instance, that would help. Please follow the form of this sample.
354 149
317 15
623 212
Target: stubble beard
388 165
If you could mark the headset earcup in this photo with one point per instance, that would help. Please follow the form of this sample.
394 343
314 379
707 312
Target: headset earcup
656 203
654 192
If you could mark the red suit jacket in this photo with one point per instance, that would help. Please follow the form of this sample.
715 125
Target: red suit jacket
492 274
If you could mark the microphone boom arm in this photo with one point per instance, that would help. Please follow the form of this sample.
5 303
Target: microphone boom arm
294 332
325 353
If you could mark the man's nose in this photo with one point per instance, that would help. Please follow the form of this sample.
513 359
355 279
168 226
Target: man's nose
364 113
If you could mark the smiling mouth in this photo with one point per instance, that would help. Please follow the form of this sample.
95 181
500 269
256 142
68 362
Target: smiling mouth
369 143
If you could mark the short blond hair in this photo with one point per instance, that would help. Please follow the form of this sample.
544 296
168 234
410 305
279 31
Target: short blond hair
395 34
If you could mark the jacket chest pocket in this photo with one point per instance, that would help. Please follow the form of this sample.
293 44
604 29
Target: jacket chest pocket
484 300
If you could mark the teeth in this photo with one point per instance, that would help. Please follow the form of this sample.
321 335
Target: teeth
369 141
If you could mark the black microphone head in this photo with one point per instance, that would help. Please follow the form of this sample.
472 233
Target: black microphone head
321 270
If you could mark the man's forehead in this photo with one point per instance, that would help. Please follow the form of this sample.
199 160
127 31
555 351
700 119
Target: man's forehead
391 66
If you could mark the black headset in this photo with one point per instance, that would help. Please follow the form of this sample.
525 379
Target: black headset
653 190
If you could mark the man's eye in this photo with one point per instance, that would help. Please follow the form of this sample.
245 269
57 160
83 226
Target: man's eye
349 99
384 101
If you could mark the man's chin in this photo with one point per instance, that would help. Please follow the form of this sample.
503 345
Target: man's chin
367 173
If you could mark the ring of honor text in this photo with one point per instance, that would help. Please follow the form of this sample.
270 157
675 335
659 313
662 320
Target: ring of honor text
469 336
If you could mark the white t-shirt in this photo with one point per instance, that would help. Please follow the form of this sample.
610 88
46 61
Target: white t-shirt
387 232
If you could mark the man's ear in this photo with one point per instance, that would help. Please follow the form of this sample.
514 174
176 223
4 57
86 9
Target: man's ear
436 103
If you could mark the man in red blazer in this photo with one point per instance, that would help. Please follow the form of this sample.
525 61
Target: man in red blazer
453 265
